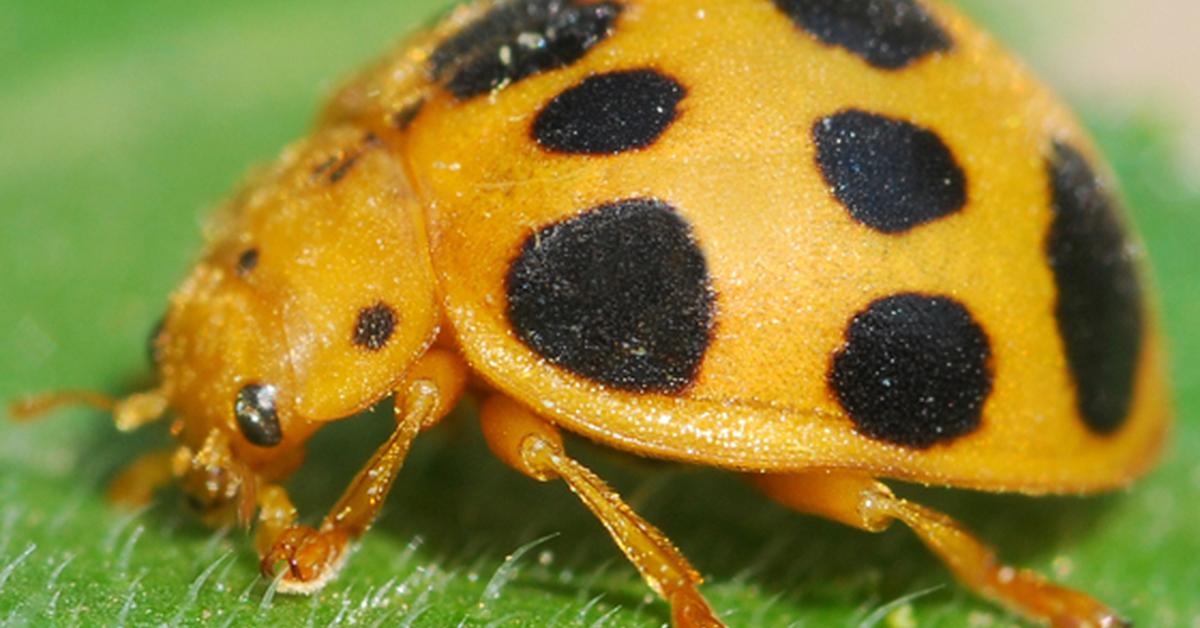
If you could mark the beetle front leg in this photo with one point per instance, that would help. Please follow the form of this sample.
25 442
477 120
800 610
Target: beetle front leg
315 555
534 447
860 501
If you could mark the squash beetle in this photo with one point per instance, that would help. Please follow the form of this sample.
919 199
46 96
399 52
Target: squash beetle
813 242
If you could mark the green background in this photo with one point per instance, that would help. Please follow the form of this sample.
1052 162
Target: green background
122 122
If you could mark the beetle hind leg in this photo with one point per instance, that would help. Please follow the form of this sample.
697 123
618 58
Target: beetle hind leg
534 447
860 501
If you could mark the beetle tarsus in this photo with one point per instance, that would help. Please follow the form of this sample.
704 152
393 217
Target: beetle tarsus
858 500
313 558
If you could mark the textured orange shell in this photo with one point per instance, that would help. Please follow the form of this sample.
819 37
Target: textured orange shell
738 162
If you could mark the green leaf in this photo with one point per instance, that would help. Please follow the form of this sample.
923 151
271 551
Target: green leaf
123 121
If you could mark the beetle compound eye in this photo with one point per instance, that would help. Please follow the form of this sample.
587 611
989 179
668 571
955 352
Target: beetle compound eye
256 417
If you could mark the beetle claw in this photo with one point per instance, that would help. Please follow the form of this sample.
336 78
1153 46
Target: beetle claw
313 558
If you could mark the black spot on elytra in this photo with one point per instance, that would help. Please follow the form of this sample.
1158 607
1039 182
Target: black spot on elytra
890 174
915 370
518 39
374 326
619 294
1099 307
254 408
609 113
247 262
888 34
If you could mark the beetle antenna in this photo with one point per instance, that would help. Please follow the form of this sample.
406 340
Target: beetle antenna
35 406
128 413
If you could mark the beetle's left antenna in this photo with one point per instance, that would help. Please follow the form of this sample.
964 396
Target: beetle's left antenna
129 413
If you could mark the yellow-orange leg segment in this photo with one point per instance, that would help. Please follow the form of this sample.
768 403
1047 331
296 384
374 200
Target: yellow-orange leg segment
314 556
534 447
137 483
862 502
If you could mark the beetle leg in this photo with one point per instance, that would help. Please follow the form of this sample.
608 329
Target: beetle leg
314 556
860 501
137 483
276 514
217 485
534 447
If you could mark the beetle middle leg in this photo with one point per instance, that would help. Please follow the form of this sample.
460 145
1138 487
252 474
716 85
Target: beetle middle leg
860 501
137 483
534 447
314 555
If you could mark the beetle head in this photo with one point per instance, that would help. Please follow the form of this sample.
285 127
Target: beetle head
315 295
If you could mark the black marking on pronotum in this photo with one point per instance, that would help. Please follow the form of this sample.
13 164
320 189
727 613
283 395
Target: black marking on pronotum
619 294
374 326
254 408
610 113
888 34
350 159
891 175
344 167
518 39
247 262
321 168
1099 308
915 370
404 116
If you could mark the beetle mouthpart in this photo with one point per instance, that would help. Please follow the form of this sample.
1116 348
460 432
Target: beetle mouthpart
139 409
129 413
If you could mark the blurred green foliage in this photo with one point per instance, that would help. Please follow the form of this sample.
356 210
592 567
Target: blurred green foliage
123 121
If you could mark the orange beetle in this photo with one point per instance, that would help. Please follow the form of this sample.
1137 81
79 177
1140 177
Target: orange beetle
815 242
